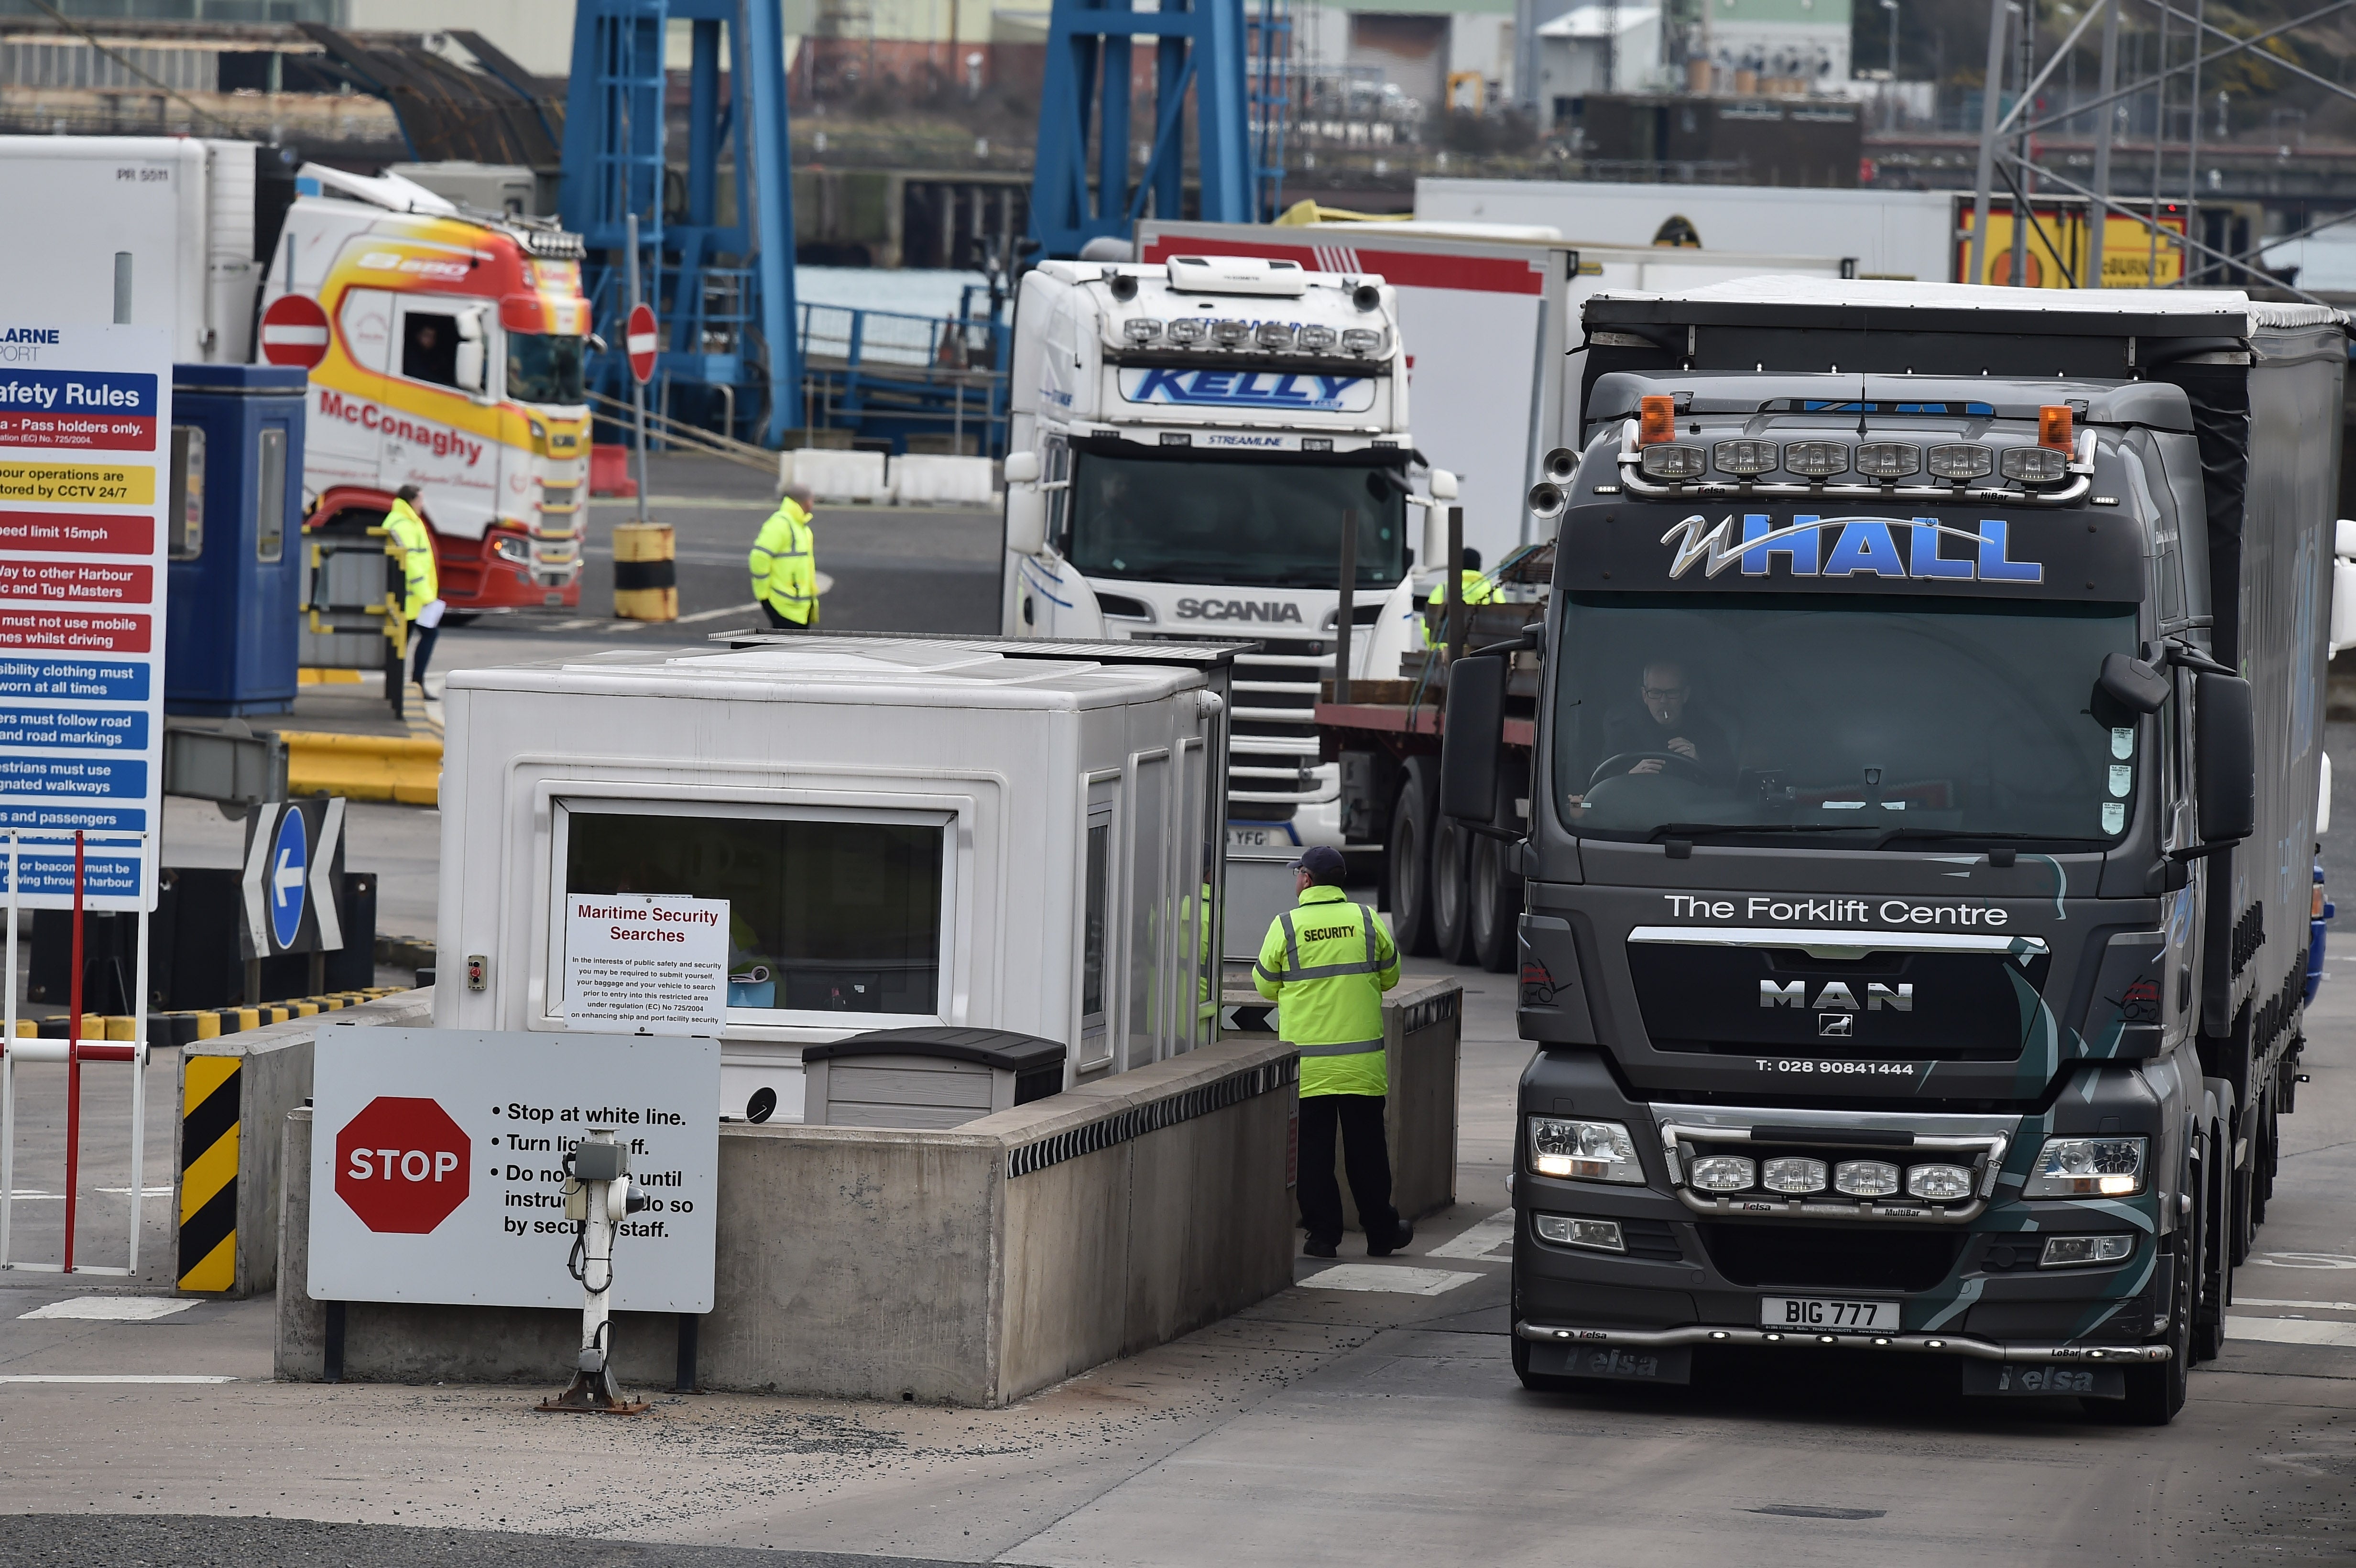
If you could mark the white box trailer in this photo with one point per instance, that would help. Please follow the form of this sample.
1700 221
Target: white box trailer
910 832
1489 320
1906 234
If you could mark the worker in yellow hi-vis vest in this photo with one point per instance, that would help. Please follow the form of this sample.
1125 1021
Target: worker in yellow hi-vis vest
1326 963
1471 588
421 600
785 565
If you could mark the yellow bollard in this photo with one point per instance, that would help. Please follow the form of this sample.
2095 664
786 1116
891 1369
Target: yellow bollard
646 572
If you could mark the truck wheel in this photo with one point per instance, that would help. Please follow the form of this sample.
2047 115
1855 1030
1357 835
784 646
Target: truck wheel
1409 857
1496 900
2214 1251
1452 891
2155 1394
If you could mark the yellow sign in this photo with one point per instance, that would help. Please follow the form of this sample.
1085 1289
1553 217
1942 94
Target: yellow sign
2059 247
96 483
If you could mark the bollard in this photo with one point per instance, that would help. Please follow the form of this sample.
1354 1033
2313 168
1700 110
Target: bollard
646 572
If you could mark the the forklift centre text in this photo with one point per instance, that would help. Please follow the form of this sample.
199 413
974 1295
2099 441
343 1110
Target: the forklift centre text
1893 912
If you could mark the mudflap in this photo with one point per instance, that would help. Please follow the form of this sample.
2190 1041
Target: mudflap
1669 1364
1999 1379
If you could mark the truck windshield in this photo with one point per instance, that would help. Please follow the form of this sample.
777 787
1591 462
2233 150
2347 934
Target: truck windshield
1867 721
1271 523
544 368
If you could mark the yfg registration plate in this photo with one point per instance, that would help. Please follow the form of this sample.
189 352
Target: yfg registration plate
1257 839
1822 1315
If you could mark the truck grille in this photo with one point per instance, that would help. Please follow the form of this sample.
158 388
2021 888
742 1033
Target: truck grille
1831 1257
1271 730
1656 1240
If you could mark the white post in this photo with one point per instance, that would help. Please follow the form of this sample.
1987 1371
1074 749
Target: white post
8 1069
1991 92
637 388
139 1084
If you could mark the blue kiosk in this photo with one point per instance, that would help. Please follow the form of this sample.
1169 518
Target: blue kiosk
236 524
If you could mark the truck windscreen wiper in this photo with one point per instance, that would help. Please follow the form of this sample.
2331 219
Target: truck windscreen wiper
1720 829
1919 834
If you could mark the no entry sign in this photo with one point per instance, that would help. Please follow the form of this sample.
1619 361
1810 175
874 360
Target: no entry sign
640 339
437 1165
294 331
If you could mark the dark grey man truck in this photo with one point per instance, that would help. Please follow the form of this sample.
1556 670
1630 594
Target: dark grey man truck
1921 823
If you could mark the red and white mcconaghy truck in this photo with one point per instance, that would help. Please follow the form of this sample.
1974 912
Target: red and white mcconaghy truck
445 346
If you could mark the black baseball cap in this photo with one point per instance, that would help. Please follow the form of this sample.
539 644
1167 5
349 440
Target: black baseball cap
1323 862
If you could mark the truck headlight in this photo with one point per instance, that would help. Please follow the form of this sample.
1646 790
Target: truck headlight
1961 461
1795 1174
1140 329
1723 1173
1887 459
2070 1251
1230 332
1563 1230
1939 1183
1273 334
2087 1167
508 547
1744 457
1362 340
2035 464
1317 340
1674 461
1816 459
1585 1151
1865 1178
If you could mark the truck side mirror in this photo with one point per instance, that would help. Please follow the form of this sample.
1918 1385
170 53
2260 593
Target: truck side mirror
2225 766
1022 468
1026 518
1475 734
2132 684
1443 484
470 365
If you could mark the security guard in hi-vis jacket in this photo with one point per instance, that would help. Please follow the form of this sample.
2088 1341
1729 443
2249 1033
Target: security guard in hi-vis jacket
1326 963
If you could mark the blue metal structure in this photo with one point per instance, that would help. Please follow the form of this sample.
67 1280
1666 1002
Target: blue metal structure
724 291
235 582
1199 45
888 377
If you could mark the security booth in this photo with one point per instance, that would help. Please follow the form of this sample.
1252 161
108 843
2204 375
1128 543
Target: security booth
911 835
235 521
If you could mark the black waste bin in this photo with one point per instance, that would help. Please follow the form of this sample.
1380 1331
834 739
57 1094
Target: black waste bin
926 1077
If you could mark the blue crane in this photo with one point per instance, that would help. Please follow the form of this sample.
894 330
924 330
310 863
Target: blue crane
724 291
1210 46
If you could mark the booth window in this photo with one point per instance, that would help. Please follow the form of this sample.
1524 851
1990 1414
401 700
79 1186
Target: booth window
186 517
269 495
826 914
1096 901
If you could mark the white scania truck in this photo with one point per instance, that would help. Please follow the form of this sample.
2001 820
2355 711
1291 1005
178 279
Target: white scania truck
1189 439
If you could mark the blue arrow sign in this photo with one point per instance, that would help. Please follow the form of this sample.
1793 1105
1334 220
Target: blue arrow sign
287 878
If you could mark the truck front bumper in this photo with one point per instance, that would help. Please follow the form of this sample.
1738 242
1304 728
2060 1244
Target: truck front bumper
1926 1344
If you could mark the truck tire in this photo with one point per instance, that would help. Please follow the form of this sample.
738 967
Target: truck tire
1408 860
2213 1255
1496 896
2246 1185
1452 891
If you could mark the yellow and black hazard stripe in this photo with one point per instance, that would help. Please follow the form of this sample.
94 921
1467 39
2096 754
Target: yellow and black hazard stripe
208 1140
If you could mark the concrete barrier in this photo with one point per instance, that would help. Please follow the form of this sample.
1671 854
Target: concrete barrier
835 476
969 1265
929 479
234 1094
406 768
1422 1041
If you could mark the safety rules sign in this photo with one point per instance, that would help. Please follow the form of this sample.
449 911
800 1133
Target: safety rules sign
646 962
83 487
437 1165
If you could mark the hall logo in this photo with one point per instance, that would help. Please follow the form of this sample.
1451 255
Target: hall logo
1850 546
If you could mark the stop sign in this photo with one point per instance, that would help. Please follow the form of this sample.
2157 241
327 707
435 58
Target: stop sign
638 339
401 1165
294 331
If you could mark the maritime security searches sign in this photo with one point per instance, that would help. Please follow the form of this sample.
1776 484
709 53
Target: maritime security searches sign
1210 386
82 489
437 1165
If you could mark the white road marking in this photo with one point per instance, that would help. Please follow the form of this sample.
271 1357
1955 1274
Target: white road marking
1384 1278
2301 1260
2311 1305
2291 1331
108 1378
1481 1239
109 1308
